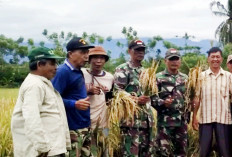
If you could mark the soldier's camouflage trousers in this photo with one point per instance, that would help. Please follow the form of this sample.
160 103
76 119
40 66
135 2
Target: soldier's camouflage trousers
172 141
81 143
136 143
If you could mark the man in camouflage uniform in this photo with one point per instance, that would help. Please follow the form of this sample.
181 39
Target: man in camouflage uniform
137 138
171 125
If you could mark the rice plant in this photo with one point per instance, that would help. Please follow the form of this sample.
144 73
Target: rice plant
193 86
148 79
7 102
122 107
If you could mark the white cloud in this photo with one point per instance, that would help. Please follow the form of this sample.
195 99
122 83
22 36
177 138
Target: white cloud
168 18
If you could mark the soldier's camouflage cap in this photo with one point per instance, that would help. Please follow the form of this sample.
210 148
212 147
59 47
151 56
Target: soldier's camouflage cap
136 43
172 53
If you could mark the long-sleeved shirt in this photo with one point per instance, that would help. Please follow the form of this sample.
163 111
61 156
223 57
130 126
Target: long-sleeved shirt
126 78
70 83
170 86
39 121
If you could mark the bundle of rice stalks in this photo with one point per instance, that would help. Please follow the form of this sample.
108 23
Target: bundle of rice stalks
99 140
148 79
122 108
193 85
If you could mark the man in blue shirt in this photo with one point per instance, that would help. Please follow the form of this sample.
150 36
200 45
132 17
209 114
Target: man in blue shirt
69 81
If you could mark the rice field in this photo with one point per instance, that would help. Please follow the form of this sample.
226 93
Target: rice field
7 100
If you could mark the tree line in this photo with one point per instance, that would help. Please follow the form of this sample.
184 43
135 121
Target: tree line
13 72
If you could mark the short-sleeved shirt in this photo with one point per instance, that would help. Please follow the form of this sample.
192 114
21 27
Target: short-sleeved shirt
98 107
215 97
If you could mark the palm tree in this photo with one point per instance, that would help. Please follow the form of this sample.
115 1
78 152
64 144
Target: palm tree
224 30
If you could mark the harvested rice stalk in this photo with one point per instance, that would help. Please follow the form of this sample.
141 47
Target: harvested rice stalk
193 85
122 107
148 79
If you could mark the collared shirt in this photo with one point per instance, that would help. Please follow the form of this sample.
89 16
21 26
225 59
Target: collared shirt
170 86
39 121
69 64
126 77
70 83
215 97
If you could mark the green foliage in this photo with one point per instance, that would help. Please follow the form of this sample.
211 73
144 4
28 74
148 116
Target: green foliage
226 52
190 60
113 63
151 46
59 40
169 45
12 75
130 34
224 30
11 47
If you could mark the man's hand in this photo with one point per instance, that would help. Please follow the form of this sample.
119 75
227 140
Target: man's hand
104 89
168 101
142 100
94 90
195 123
82 104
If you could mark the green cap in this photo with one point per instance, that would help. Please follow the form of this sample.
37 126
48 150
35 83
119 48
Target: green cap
172 53
42 53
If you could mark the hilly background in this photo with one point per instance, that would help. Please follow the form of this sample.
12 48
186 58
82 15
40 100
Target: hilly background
203 44
115 50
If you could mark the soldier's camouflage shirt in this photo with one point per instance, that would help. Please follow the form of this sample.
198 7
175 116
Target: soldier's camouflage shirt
170 86
126 78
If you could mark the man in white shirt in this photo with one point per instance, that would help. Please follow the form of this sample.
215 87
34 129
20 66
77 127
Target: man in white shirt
98 84
39 125
214 105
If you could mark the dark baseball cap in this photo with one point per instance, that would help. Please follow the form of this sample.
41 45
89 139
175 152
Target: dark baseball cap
172 53
77 43
136 43
42 53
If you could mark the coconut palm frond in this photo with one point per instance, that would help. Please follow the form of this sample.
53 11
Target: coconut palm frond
224 35
217 32
229 6
212 4
220 7
218 13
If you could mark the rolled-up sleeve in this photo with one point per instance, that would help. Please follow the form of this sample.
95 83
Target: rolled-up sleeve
120 79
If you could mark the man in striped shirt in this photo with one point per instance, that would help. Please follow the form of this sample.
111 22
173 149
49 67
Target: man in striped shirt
214 105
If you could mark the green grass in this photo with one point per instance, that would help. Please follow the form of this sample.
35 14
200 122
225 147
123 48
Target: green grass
7 101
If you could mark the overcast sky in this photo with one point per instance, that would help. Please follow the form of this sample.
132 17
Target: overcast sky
167 18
